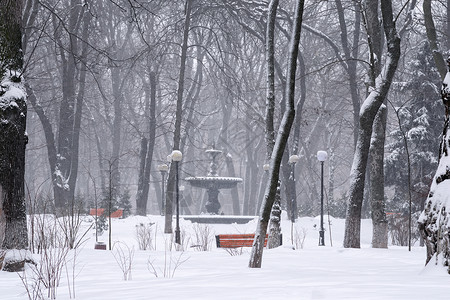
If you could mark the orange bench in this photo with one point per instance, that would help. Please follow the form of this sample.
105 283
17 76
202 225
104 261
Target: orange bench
115 214
236 240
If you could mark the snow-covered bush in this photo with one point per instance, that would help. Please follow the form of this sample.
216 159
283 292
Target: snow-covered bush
166 267
398 229
123 255
299 237
203 237
144 236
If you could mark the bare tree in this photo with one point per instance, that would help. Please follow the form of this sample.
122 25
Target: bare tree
376 150
432 38
284 130
147 146
178 118
275 214
63 147
368 112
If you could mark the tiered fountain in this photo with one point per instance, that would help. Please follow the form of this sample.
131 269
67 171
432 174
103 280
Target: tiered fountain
213 183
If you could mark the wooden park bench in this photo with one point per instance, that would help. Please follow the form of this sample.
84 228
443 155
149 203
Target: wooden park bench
237 240
115 214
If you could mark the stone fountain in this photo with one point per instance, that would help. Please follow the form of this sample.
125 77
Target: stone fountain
213 183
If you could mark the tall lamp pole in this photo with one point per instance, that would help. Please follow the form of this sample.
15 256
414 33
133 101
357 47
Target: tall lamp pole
266 168
181 188
321 156
163 168
176 157
293 159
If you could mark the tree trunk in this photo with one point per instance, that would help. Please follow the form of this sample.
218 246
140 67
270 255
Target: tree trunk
291 192
63 148
448 24
257 191
116 86
367 116
227 107
141 180
275 218
375 182
434 220
249 172
178 118
284 130
432 38
351 56
13 138
379 222
144 175
63 192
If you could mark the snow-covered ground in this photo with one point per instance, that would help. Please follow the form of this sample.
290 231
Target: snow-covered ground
314 272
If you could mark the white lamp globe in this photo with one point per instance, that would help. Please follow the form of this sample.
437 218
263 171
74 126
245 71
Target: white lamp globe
177 155
293 159
322 155
163 168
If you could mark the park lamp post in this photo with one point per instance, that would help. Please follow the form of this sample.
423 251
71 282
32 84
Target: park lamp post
293 159
321 156
266 168
176 157
163 168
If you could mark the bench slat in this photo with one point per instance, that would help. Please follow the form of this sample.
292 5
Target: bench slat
228 243
237 236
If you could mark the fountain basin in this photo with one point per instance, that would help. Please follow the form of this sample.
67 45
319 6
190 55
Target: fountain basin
213 184
213 181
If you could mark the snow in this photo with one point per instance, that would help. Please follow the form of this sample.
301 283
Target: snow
330 272
62 182
446 84
440 192
13 91
418 132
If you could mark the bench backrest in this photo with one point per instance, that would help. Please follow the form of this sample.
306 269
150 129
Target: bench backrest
236 240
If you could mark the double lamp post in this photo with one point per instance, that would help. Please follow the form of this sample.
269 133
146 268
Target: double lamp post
176 156
321 156
293 159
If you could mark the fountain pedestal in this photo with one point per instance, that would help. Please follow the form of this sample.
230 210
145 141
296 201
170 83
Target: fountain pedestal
213 205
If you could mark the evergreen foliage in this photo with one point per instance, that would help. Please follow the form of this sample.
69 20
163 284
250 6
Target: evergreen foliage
421 119
124 203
